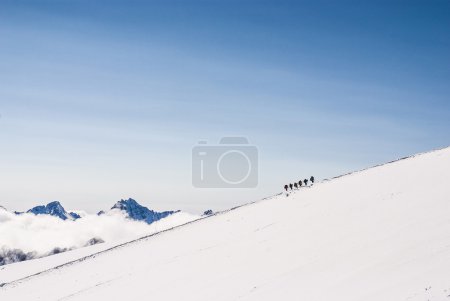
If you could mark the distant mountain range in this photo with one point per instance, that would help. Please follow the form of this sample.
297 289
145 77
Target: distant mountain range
130 208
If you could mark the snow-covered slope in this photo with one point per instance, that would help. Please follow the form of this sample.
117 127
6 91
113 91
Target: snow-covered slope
378 234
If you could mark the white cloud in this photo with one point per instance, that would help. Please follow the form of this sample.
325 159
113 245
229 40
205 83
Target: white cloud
41 234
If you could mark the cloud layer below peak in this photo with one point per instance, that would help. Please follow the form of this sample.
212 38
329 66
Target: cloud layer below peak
40 235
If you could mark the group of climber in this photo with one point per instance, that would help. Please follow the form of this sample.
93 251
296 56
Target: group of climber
299 184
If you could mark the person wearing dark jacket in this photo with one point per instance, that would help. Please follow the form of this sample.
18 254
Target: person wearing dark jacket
295 185
312 179
300 183
306 182
290 185
286 187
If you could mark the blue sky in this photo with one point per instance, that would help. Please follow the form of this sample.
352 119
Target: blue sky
102 101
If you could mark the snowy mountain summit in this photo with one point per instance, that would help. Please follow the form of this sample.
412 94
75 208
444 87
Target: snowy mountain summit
54 209
135 211
132 210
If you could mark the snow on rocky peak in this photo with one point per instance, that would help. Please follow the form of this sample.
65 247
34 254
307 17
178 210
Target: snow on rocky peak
135 211
54 209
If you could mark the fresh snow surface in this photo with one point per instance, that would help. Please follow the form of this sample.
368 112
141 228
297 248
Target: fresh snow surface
379 234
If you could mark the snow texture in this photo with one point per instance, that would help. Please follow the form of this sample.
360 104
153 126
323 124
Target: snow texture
377 234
